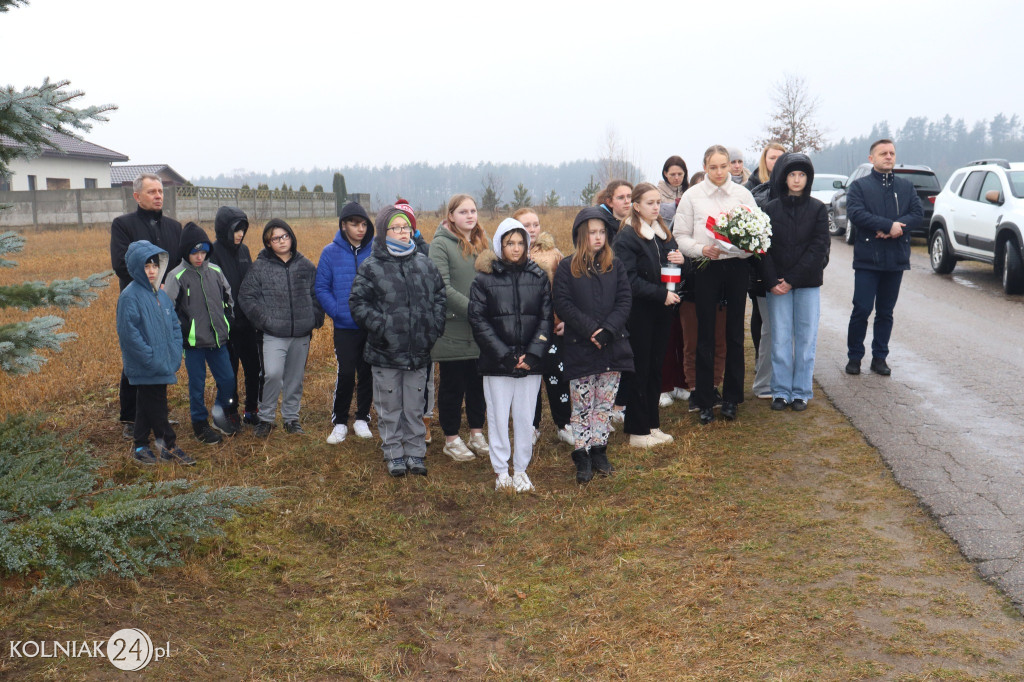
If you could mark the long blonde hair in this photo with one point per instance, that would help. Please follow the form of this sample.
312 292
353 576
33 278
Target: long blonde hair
477 242
583 262
763 174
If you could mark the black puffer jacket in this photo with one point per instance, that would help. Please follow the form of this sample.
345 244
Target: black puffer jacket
611 222
234 259
510 314
643 259
586 304
400 302
278 296
800 239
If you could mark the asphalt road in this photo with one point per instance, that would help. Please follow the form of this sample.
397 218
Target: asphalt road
949 422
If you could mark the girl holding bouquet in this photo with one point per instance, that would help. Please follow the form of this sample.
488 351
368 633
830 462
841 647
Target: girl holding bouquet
721 276
644 245
792 272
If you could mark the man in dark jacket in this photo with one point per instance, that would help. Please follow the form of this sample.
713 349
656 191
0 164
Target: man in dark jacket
234 259
883 209
147 222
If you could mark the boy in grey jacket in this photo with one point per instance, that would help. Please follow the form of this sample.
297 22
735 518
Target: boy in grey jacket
202 298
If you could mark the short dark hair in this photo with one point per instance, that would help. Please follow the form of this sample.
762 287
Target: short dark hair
884 140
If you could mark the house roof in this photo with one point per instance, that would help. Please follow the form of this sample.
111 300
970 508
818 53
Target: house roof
128 172
66 146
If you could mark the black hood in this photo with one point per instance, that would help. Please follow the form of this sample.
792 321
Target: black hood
586 214
786 164
353 209
277 222
228 220
191 235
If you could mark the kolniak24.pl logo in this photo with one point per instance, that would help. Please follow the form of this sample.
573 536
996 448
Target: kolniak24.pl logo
127 649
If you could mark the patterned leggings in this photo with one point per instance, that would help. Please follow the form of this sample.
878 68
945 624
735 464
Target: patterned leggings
592 398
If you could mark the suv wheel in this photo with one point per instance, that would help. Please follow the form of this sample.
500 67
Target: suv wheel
939 253
851 232
833 229
1013 269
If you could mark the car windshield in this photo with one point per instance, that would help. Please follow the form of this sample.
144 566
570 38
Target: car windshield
1016 179
822 183
921 180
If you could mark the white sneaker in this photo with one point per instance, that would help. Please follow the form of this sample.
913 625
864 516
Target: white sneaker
680 393
618 416
536 435
765 396
662 436
504 482
458 451
338 434
478 444
521 482
565 435
648 441
665 399
362 429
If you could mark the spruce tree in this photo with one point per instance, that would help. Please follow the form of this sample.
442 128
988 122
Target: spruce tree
340 192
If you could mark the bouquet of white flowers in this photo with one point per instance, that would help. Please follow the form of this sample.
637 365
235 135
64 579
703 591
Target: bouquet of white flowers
741 230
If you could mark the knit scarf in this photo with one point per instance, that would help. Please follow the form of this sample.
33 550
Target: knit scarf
670 193
399 249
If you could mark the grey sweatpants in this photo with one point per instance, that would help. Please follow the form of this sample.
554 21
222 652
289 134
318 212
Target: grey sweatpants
283 363
398 399
516 397
763 366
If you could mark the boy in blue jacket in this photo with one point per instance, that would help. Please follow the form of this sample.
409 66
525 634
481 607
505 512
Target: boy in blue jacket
150 339
202 299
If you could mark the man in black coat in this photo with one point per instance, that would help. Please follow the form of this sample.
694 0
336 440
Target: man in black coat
147 222
882 209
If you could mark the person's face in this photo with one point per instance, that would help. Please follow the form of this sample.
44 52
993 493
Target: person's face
736 167
152 270
197 258
239 236
596 235
354 229
620 201
512 247
675 175
796 181
770 158
399 230
280 241
883 158
464 216
649 206
717 169
532 224
151 196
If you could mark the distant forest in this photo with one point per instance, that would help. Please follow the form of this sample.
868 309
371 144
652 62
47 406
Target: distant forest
427 186
944 144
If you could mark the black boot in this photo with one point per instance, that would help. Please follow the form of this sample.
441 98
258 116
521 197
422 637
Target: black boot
583 470
599 460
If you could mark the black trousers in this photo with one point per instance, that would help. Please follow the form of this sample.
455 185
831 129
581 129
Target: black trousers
151 415
353 372
648 335
557 388
244 347
755 324
460 381
721 280
127 397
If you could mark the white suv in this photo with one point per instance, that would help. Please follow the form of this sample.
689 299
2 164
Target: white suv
979 215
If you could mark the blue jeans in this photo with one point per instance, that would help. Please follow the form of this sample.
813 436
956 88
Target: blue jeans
876 289
196 360
794 321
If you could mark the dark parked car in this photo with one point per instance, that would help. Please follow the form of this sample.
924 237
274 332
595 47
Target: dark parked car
925 182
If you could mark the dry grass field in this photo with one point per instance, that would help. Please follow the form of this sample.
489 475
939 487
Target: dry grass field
777 547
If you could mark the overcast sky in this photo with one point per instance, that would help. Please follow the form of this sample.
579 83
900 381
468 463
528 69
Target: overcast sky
218 85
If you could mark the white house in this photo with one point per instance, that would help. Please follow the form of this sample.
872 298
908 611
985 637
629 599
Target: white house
72 164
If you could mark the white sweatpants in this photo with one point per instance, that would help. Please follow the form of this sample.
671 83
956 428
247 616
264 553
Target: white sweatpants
516 397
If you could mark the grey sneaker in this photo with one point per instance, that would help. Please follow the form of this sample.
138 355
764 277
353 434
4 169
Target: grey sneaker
143 455
294 427
263 429
222 421
174 454
416 465
396 467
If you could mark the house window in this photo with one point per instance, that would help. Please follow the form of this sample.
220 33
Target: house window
5 183
90 183
58 183
31 183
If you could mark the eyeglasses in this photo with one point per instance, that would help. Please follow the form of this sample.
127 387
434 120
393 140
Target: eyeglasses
400 229
281 238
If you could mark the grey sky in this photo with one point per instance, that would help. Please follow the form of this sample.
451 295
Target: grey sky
219 85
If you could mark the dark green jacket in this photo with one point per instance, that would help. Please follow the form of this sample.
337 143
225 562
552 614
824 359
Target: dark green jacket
458 273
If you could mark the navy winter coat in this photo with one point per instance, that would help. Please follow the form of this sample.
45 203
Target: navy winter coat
873 203
147 327
337 268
